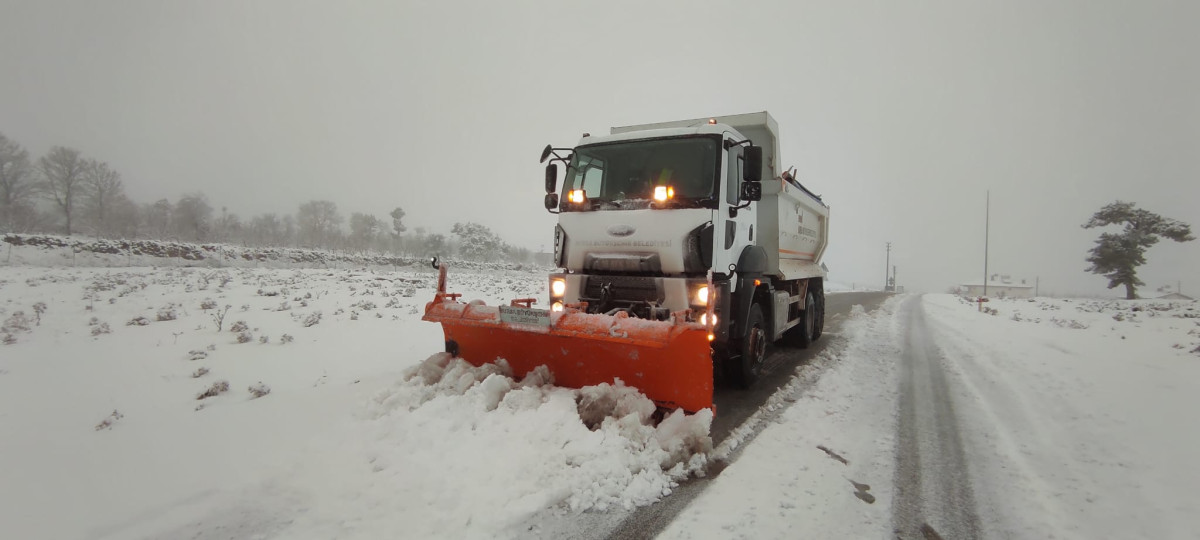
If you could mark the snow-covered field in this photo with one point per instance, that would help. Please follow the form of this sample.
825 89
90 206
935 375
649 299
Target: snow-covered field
367 430
334 415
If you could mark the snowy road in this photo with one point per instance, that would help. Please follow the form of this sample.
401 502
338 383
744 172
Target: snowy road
736 407
932 487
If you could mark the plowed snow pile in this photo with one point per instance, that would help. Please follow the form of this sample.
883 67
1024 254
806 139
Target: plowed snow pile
126 413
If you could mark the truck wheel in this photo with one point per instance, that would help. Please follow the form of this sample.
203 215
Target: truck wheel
754 348
819 327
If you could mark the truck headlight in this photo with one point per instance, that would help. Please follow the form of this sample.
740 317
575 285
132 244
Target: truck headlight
702 295
558 288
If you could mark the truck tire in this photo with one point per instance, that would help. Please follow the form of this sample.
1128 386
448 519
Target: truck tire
754 349
819 327
808 321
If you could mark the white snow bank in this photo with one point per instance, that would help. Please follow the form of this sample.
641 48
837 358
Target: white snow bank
358 437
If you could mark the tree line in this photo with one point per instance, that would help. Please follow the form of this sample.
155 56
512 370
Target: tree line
67 192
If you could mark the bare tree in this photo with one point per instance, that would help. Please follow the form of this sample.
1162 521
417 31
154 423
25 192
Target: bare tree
157 217
17 185
63 174
363 229
192 217
102 188
266 230
123 217
318 223
228 226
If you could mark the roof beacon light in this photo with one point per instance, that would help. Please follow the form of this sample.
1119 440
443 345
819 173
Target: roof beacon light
662 193
712 121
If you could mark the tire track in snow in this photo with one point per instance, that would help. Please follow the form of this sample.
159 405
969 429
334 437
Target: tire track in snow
932 487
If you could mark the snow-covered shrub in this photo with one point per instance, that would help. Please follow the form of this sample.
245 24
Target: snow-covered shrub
138 321
264 339
354 315
286 338
38 309
312 319
1069 323
200 373
207 304
101 328
107 423
194 355
239 326
219 316
17 322
245 337
166 314
217 388
259 390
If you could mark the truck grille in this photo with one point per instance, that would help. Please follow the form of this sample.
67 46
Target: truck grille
625 290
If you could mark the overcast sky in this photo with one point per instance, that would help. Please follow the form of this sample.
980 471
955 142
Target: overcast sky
901 114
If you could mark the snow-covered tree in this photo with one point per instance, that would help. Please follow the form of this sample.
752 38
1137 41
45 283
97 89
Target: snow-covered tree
364 228
102 187
398 227
192 217
477 241
63 173
157 218
1117 256
17 186
318 223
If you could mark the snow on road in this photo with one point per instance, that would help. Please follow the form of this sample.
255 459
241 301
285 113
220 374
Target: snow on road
1079 414
824 468
1057 418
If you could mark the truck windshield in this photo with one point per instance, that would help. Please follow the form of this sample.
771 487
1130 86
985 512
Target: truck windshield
678 172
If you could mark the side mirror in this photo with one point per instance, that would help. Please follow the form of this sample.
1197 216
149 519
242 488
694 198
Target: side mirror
551 178
546 153
551 201
751 191
752 166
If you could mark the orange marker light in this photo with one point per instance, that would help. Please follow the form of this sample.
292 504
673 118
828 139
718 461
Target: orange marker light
575 196
660 193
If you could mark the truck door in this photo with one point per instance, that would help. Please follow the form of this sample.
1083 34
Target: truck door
733 227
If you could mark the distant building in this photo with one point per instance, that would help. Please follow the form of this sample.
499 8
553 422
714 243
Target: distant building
1000 286
1175 296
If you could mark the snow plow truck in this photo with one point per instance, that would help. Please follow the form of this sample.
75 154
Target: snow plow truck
683 252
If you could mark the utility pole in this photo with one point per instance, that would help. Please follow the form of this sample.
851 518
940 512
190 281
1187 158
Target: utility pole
987 224
894 279
887 265
1037 282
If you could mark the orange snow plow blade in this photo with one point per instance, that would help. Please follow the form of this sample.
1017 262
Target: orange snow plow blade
668 361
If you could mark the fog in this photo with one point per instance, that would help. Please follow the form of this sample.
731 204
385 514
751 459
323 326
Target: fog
902 116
